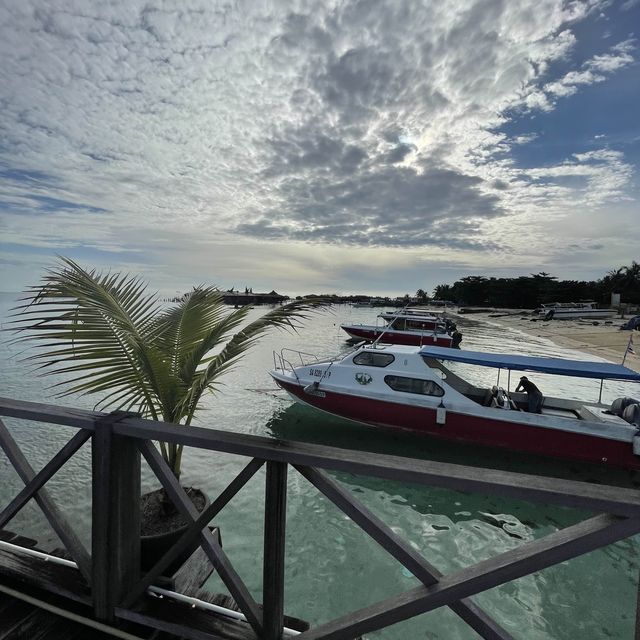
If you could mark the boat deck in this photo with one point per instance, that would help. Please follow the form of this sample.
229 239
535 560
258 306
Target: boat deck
42 600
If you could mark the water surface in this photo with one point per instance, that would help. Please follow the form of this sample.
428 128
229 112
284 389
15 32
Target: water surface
332 567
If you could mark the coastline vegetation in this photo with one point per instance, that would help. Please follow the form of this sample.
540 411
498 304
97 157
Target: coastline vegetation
522 292
528 292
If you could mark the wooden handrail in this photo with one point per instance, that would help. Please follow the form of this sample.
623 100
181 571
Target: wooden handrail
119 437
568 493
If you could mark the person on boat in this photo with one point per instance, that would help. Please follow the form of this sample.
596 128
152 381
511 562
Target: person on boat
534 395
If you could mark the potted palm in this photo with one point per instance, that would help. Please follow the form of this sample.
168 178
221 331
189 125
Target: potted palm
109 337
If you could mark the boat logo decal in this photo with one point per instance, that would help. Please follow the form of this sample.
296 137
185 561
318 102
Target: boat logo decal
363 378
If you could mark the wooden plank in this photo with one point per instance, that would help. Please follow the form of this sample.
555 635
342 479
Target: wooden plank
12 614
183 621
34 572
103 603
57 521
224 600
189 579
41 412
471 613
527 558
189 539
597 498
637 633
40 625
275 521
23 541
214 551
63 619
115 517
43 476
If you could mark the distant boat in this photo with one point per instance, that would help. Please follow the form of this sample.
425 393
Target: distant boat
373 302
407 327
415 312
409 388
573 310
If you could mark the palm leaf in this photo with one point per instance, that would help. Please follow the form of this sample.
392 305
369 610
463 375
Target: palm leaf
108 337
288 316
101 320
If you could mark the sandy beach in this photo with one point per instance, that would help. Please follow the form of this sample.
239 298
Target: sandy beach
607 341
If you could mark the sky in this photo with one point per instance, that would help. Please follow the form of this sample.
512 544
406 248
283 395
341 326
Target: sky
373 146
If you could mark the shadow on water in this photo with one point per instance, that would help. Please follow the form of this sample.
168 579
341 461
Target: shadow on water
444 508
297 422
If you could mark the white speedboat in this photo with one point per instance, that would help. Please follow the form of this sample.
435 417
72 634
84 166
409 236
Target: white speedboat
410 388
409 328
574 310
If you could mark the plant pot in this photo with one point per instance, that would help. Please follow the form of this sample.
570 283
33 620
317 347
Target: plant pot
164 531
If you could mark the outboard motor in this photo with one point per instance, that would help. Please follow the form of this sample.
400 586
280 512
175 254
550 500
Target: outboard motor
620 404
549 315
632 414
456 339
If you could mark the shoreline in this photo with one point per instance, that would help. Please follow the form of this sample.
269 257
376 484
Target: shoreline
606 341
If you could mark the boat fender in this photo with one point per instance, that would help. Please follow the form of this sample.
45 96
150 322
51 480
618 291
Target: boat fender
441 414
312 389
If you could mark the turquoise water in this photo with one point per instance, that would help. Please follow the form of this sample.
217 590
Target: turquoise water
332 567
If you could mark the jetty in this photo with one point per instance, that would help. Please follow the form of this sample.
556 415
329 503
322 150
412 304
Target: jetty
72 588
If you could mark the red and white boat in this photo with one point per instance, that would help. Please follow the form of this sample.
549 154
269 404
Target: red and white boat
410 328
401 387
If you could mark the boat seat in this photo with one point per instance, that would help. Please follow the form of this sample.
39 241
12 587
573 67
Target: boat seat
500 399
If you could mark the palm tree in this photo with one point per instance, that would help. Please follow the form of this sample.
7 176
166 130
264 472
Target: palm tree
443 292
108 336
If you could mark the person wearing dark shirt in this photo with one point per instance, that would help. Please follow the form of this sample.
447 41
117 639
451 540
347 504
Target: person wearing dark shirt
534 395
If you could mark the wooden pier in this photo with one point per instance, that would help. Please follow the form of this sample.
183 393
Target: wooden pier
104 587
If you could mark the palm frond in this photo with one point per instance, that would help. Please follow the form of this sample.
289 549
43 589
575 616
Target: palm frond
287 317
106 336
100 319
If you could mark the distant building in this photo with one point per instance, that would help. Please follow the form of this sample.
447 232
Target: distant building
241 298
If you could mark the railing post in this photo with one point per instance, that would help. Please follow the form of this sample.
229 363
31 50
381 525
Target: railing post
115 528
637 633
275 516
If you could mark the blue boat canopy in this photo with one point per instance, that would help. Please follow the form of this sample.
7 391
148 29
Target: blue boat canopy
559 366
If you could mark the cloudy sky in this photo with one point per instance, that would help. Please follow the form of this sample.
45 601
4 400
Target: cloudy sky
347 146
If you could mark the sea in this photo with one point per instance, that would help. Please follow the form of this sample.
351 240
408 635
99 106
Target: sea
332 567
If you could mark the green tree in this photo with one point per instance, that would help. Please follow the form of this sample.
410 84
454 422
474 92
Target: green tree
109 337
625 280
443 292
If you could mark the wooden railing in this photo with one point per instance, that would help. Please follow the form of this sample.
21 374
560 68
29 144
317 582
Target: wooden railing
112 568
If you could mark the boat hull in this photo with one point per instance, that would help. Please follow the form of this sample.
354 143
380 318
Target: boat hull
575 314
466 428
398 337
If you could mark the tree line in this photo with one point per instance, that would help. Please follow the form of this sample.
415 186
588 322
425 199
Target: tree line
528 292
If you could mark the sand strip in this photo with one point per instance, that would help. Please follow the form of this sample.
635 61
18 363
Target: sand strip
607 341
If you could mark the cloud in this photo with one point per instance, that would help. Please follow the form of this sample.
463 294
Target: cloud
593 71
369 123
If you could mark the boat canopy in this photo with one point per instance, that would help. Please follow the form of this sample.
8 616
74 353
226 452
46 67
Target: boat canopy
559 366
